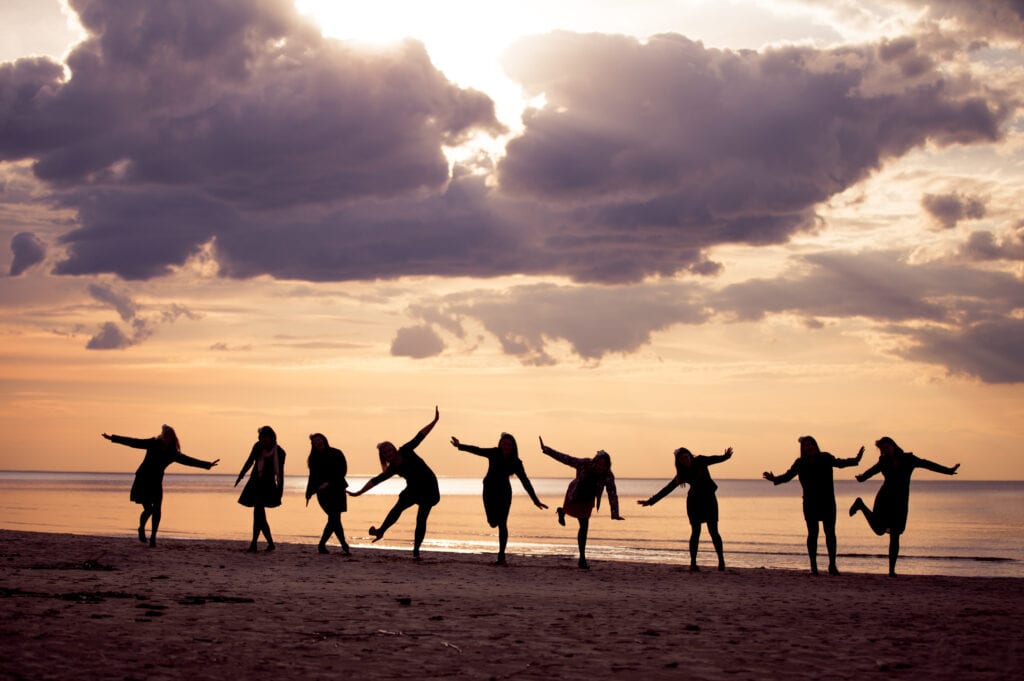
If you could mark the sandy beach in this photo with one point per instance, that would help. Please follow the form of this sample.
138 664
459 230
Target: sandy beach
102 607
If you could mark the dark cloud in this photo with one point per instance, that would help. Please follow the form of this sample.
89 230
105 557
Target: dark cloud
880 286
984 245
594 321
417 342
184 121
236 124
998 19
992 351
28 250
141 327
949 209
666 148
109 337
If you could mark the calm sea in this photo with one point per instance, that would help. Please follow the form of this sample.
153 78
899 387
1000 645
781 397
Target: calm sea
956 527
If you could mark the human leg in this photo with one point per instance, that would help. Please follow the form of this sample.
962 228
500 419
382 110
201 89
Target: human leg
155 519
421 529
716 541
894 552
581 540
694 542
812 542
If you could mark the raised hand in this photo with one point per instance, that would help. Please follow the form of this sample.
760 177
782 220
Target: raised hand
769 476
728 453
455 441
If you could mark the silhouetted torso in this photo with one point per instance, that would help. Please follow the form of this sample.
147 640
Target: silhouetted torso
147 487
328 465
421 483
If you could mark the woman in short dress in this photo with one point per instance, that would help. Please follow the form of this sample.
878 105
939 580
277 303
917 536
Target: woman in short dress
892 501
327 470
593 476
148 486
502 463
701 501
421 484
265 485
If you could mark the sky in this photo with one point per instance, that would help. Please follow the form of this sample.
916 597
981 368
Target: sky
620 225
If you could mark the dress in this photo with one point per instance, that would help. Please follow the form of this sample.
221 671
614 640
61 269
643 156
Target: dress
421 483
701 501
497 493
148 486
328 465
892 501
585 490
815 475
266 483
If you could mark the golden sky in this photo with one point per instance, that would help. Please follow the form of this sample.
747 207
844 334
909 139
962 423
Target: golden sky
628 226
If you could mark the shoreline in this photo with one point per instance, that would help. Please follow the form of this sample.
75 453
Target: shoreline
79 606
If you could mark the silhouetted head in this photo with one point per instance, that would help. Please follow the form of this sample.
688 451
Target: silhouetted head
683 458
887 446
318 441
508 447
387 453
169 437
602 462
268 438
808 446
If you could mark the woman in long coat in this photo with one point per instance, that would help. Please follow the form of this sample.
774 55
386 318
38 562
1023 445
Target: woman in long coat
814 470
593 476
502 463
421 484
266 484
892 501
327 471
148 486
701 501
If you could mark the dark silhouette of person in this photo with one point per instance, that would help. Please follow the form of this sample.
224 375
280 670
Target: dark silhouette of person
420 489
148 486
814 470
327 471
593 476
701 501
502 463
892 501
265 485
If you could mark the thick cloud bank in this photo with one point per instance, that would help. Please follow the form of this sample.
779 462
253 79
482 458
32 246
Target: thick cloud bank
185 123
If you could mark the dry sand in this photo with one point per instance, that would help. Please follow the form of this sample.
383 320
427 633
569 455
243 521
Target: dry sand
111 608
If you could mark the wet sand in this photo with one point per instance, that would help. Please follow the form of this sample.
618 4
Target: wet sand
101 607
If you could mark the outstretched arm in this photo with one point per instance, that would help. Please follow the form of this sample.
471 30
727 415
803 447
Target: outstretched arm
785 477
937 467
479 451
424 431
724 456
661 494
374 481
559 456
521 473
134 442
871 472
186 460
845 463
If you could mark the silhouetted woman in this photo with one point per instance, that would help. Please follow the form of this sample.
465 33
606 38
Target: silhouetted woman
265 485
502 463
814 470
420 488
893 498
701 501
327 471
592 477
148 486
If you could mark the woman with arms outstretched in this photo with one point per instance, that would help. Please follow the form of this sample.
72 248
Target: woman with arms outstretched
265 486
327 470
421 484
701 501
502 463
814 470
892 501
148 486
584 492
